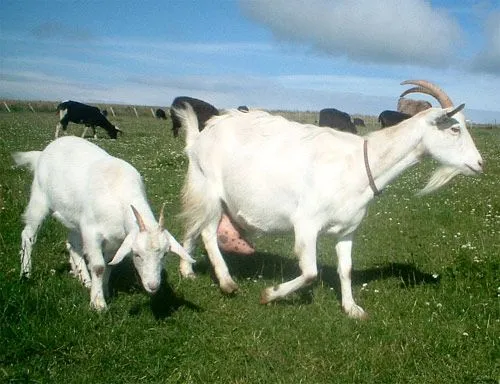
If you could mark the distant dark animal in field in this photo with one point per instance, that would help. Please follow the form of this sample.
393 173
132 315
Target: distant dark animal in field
358 122
203 110
333 118
243 108
389 118
160 114
79 113
412 107
104 113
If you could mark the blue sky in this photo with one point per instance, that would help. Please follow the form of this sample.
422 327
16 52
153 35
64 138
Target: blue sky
274 54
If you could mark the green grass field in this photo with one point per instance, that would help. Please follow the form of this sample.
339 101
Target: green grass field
426 269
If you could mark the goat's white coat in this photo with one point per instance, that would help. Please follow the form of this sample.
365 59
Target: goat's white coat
91 193
270 175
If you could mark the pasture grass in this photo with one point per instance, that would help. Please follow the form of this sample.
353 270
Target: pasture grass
426 270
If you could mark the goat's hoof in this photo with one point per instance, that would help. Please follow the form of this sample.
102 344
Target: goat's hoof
265 296
229 287
356 312
98 305
190 275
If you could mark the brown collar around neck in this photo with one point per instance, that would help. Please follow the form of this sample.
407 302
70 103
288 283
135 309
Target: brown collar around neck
374 188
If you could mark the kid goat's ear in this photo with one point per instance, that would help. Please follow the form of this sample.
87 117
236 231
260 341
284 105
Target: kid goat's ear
124 249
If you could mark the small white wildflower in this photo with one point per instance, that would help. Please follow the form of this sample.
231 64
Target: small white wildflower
435 275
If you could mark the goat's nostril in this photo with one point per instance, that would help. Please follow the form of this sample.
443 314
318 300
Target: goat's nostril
153 287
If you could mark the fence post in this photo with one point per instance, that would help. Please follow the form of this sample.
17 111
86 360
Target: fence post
112 111
135 111
6 106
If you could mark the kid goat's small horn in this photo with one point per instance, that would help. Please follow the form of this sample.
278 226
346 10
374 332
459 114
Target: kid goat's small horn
160 220
457 109
138 217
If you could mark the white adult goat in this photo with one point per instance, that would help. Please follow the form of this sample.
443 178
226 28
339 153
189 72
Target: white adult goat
102 201
270 174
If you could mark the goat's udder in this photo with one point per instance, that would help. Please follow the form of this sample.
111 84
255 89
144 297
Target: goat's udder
230 240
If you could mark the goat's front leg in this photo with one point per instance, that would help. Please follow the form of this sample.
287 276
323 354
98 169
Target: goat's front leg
98 272
78 265
58 128
344 269
209 236
305 249
85 131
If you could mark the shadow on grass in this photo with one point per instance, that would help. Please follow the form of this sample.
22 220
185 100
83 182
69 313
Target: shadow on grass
275 267
164 303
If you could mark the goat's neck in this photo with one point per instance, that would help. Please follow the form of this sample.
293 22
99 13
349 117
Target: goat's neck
393 150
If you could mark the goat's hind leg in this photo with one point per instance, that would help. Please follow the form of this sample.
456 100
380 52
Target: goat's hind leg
209 236
185 267
305 248
33 216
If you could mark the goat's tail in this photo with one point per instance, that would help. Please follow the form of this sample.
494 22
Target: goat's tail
189 121
26 159
201 206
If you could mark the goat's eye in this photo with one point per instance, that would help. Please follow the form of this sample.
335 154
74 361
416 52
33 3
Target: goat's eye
455 129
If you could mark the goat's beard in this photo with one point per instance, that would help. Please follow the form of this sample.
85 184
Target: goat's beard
440 177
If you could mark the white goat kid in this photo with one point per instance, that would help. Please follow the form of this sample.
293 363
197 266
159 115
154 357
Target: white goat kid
272 175
101 200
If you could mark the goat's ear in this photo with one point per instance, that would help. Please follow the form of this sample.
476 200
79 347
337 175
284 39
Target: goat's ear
455 110
124 249
445 118
178 249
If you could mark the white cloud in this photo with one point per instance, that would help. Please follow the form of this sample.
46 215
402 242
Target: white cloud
488 60
395 31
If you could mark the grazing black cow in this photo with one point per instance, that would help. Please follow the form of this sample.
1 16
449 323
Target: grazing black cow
333 118
390 118
160 114
358 122
79 113
203 110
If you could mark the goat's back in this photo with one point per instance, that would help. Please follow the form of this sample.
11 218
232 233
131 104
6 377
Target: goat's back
78 176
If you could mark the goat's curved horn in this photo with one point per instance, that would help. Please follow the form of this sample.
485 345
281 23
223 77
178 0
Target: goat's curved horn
431 89
161 220
138 217
415 90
